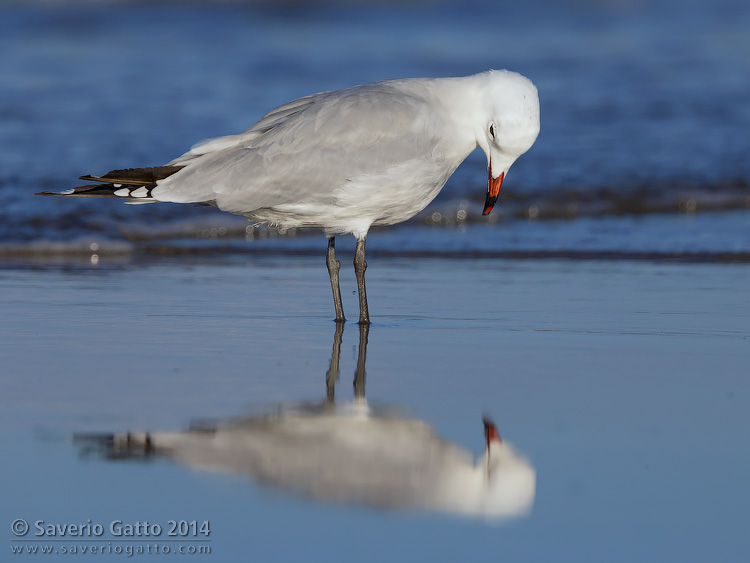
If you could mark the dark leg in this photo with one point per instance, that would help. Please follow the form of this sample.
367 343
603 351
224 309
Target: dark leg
359 269
332 375
333 270
359 375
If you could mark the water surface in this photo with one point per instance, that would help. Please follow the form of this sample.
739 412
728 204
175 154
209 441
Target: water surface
620 371
644 105
623 382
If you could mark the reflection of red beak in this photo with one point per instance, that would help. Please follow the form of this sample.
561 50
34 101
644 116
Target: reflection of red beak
493 190
490 431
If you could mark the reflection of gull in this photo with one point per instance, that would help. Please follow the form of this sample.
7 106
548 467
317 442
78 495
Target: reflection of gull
352 454
345 160
355 457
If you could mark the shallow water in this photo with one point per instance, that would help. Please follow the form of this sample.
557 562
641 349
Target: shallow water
623 382
620 372
644 105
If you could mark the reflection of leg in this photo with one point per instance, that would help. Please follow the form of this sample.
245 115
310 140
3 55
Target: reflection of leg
333 271
359 269
332 375
359 375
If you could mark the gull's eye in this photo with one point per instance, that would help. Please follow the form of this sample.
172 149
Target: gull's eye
492 130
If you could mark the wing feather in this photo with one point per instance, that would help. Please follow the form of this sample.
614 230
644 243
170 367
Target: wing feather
307 149
268 121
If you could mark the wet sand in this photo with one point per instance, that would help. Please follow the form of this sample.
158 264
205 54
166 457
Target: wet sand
625 384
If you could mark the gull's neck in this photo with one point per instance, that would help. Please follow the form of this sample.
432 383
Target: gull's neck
464 102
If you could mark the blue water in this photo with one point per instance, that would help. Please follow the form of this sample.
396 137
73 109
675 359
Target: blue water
644 107
621 375
624 383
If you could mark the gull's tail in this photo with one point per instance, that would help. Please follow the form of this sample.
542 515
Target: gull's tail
124 445
132 184
140 445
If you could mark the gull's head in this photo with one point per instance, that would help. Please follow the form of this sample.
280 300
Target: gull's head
508 481
509 124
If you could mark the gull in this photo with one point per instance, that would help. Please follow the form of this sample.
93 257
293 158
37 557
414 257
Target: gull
346 160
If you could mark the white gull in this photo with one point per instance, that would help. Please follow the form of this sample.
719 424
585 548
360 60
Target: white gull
346 160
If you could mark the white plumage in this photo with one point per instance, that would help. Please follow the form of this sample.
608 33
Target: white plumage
346 160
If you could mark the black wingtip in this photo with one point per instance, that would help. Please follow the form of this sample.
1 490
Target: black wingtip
74 191
89 190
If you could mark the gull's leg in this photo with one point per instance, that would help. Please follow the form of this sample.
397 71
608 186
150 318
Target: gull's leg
359 375
332 375
333 271
359 269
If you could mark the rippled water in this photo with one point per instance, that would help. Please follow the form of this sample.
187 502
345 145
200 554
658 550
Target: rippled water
644 111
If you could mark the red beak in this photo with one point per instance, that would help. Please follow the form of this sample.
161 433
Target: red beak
493 190
490 431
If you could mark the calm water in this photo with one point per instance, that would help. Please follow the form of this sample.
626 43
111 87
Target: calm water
625 385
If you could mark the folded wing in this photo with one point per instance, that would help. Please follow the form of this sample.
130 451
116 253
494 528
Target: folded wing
305 150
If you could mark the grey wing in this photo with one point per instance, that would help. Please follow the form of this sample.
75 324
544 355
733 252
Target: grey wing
282 113
268 121
305 150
